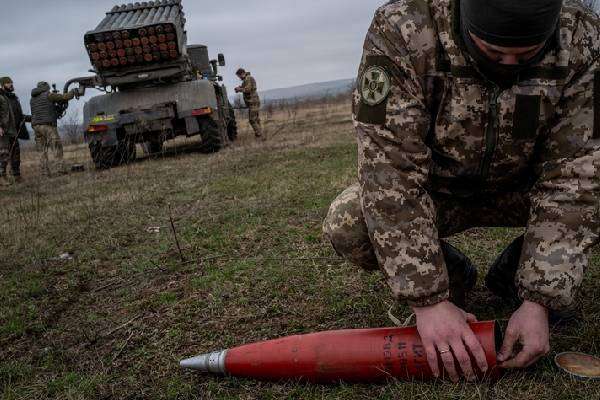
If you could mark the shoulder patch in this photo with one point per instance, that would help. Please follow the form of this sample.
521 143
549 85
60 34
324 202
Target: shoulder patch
375 85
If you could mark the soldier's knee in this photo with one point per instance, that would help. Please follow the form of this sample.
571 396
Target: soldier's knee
345 228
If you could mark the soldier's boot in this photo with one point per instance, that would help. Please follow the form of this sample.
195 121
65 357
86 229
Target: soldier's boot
462 274
500 280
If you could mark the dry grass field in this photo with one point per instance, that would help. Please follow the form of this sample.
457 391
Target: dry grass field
112 318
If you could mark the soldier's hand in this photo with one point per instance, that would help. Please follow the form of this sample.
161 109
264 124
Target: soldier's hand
1 132
529 327
447 336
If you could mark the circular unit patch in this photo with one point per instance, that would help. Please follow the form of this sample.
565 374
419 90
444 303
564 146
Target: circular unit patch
375 86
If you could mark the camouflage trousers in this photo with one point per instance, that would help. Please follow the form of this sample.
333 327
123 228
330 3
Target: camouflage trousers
346 229
254 117
46 139
10 153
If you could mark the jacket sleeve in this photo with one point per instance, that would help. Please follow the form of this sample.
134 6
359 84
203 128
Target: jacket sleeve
564 222
394 159
4 113
61 98
249 85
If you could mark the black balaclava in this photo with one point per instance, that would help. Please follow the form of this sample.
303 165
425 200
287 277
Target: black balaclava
508 23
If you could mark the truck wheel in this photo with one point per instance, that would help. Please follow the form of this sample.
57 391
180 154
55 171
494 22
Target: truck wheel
155 146
103 156
126 152
106 157
232 131
212 141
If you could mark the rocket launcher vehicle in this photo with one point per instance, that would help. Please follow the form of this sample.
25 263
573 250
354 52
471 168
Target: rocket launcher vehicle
353 356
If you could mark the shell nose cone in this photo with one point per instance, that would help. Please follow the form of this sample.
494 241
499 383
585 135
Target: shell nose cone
213 363
199 363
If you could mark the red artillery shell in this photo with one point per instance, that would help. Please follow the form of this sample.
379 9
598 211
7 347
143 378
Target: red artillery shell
369 355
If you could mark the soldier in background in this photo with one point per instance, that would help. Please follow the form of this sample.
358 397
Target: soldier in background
45 106
14 158
249 90
8 133
470 118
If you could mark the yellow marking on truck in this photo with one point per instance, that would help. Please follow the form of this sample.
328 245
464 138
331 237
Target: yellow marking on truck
103 118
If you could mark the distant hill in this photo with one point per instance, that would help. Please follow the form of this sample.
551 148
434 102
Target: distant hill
311 90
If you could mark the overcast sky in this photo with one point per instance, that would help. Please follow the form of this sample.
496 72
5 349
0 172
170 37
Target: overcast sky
282 42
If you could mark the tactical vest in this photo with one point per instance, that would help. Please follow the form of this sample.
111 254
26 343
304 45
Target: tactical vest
43 111
483 138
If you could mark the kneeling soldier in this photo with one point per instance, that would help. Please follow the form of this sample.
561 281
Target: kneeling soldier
476 113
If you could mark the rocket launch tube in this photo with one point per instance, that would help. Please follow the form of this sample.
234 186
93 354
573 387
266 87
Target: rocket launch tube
354 356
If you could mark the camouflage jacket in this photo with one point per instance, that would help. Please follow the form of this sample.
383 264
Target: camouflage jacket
428 122
250 92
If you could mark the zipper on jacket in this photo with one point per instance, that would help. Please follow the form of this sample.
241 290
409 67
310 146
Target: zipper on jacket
491 133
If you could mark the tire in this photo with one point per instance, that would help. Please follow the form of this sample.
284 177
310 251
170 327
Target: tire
156 147
232 130
106 157
103 156
126 152
212 141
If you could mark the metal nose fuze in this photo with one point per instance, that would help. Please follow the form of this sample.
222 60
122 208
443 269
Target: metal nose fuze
213 363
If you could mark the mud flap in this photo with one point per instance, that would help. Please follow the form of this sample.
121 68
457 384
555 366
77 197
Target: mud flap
191 126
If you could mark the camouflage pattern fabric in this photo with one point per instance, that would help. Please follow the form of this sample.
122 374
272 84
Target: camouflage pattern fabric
254 118
10 154
250 92
430 127
346 229
47 138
